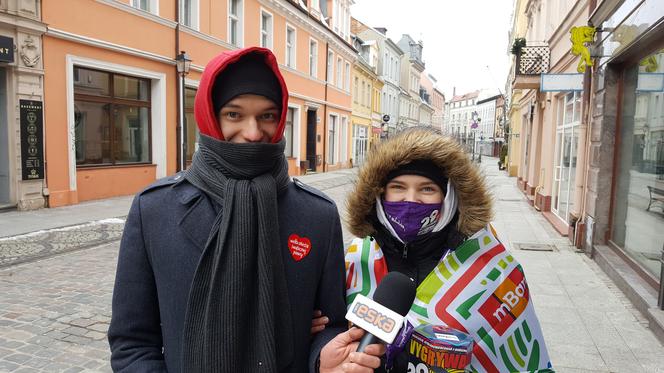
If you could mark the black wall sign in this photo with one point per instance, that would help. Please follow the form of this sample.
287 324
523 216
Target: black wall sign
32 139
6 49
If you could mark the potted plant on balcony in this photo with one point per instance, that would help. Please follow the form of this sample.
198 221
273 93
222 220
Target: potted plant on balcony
518 44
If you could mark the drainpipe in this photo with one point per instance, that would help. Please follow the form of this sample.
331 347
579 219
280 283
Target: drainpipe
660 299
178 127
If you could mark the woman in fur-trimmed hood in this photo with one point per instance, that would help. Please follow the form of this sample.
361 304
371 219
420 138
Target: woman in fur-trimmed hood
417 196
421 208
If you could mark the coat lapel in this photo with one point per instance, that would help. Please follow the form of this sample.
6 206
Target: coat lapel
198 218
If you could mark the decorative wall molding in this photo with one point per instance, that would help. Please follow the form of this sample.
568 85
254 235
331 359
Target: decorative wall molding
60 34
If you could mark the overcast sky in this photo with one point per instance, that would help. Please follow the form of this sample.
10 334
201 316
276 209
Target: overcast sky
460 37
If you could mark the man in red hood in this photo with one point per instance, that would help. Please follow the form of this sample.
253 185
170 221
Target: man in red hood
222 266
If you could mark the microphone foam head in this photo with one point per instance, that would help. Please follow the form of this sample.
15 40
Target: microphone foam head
396 291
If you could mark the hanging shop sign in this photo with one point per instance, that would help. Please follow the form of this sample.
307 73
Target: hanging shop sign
650 82
6 49
561 82
32 139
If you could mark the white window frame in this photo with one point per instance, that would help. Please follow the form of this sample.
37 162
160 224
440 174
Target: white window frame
291 60
297 110
153 6
267 32
195 14
335 150
313 58
330 67
356 88
347 80
343 139
340 72
157 110
239 18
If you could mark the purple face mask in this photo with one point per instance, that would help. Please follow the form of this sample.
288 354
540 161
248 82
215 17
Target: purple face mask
412 219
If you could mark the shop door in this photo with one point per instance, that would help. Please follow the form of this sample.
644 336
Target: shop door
359 144
311 139
4 141
564 177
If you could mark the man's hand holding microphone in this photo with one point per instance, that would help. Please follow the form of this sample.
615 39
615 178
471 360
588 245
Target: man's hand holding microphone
377 321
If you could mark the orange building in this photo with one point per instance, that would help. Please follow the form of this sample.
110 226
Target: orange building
112 93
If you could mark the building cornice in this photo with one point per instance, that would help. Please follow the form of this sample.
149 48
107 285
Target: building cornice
320 102
21 23
60 34
208 38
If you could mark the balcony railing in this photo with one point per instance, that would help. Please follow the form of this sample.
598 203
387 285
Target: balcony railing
533 60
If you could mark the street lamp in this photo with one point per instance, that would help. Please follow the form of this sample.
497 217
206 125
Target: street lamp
182 64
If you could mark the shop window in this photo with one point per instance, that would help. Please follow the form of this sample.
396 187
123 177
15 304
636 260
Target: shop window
111 118
638 210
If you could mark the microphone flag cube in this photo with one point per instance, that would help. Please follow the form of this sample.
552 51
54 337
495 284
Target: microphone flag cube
374 318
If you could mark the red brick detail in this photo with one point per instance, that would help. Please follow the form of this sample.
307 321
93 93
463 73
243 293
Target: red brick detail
557 224
543 202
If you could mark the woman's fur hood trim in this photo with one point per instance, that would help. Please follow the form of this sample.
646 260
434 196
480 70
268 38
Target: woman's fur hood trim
475 202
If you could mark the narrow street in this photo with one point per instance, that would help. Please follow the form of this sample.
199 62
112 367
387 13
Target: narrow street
55 292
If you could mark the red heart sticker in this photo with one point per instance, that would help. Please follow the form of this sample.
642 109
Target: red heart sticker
299 246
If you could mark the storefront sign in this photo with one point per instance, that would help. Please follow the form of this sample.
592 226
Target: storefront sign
32 139
561 82
650 82
6 49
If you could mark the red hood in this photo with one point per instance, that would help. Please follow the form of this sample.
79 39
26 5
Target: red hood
206 118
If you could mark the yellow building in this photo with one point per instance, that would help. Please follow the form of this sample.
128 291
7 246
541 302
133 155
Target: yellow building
366 114
513 138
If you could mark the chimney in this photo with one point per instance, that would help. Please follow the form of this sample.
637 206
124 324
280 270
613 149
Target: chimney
453 92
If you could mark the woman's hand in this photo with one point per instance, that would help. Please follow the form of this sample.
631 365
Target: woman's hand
318 322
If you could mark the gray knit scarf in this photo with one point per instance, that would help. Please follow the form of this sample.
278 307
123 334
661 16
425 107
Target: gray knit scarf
238 313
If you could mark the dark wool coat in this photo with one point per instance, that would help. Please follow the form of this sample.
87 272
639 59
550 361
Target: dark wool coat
165 235
474 210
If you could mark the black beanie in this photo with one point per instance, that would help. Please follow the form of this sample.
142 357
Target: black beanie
421 167
249 75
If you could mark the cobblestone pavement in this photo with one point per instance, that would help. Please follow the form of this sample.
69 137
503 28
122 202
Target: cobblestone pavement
27 247
54 313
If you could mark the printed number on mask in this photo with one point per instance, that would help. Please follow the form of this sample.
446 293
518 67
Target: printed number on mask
420 368
431 219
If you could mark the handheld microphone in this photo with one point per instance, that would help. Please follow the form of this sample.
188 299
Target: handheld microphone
382 316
